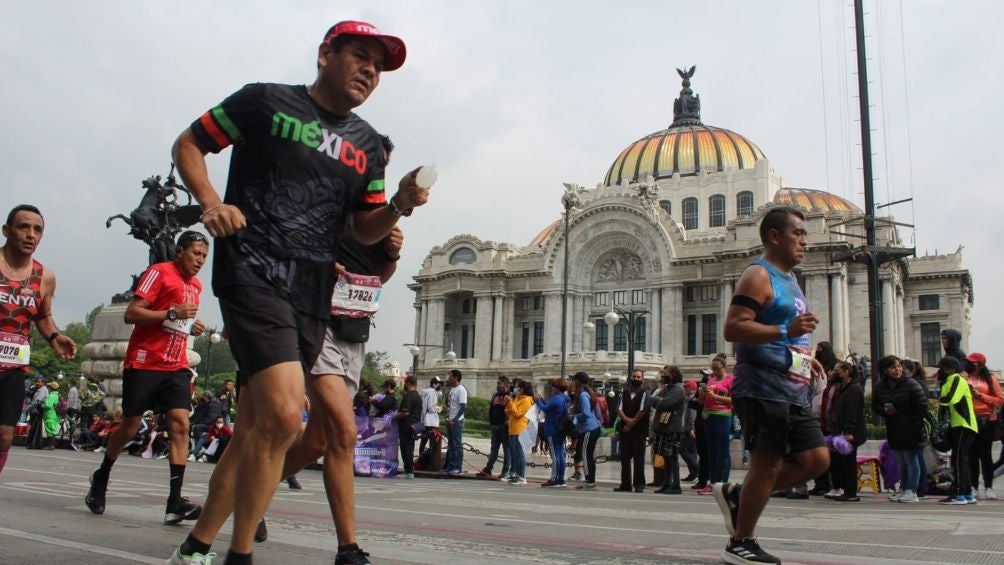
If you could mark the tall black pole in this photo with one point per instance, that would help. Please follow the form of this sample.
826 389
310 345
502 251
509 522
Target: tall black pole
209 361
630 345
564 293
874 293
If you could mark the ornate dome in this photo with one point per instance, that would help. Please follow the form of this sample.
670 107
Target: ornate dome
814 200
545 234
687 146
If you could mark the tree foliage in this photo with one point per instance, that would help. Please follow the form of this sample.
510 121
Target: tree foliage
375 367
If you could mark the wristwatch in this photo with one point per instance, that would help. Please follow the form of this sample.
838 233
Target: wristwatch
397 211
172 314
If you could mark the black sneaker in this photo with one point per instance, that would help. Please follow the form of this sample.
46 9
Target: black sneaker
746 551
354 556
294 483
727 497
95 499
261 533
181 509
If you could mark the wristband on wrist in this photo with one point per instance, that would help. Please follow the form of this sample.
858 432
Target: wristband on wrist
784 333
392 258
211 208
51 337
396 210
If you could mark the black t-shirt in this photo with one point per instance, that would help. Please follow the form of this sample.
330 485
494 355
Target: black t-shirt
361 259
412 403
296 173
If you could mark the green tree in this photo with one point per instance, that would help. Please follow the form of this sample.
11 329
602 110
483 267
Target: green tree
44 359
222 360
89 319
375 367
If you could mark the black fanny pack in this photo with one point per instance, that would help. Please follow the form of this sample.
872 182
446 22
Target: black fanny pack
352 330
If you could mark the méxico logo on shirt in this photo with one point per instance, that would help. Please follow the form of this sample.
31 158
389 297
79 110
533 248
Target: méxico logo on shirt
314 136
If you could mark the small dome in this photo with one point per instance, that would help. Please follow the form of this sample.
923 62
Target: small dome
814 200
545 234
684 149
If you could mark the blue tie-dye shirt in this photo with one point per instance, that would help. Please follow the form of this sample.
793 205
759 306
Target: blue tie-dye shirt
761 370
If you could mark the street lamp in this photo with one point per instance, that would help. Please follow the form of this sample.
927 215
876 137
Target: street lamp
416 349
570 199
214 338
614 317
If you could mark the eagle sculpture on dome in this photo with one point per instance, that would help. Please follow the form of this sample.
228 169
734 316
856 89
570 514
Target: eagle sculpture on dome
685 75
686 108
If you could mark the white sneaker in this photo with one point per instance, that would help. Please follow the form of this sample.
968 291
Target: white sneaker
194 559
894 497
989 494
191 457
834 493
99 450
907 496
518 481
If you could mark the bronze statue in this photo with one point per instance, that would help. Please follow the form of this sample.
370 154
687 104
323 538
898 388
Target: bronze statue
686 108
158 219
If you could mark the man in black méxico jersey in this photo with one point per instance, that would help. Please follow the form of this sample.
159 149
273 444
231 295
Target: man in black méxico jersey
302 163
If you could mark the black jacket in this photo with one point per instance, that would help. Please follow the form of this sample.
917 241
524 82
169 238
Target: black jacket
849 413
905 428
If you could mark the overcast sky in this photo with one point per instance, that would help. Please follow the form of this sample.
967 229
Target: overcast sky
510 99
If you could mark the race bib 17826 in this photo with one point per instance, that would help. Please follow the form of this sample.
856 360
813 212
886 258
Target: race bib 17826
356 296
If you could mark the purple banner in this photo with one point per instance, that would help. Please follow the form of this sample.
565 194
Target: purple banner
376 446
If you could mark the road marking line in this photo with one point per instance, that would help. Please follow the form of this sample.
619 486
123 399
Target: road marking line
81 546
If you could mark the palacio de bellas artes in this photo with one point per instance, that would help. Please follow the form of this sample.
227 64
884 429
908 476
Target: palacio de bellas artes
650 257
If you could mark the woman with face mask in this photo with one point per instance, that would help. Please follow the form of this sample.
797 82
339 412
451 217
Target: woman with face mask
717 414
987 401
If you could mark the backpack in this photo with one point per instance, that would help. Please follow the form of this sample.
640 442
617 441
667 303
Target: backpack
602 411
91 395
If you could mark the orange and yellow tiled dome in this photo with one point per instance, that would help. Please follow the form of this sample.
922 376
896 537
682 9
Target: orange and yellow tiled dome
814 200
684 149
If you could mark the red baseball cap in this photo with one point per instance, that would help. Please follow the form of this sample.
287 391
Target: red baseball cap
977 358
692 385
393 46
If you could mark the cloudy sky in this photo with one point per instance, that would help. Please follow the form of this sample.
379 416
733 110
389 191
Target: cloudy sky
510 99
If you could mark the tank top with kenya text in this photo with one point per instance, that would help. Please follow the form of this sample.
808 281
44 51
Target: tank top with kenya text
19 302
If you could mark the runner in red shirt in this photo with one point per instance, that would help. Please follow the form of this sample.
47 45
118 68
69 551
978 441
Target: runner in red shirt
26 291
156 375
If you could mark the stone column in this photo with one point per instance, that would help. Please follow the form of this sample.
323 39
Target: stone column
838 322
654 338
509 327
575 325
483 328
725 299
418 322
677 321
434 330
498 328
888 317
552 323
819 304
901 323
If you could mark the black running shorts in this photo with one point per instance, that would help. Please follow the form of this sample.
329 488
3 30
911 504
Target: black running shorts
779 427
160 391
265 330
11 396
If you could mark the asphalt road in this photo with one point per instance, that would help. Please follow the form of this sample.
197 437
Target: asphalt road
454 521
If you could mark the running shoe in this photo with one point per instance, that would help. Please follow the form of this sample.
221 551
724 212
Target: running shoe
845 498
261 532
194 559
921 496
95 499
959 500
553 485
354 556
834 493
907 496
707 490
586 486
519 482
454 472
727 497
576 477
294 483
989 494
894 497
746 551
971 499
181 509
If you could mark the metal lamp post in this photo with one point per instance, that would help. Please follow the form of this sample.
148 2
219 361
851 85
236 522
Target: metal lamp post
615 316
416 349
214 338
569 200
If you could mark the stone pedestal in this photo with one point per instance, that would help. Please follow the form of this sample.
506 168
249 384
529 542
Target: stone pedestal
107 349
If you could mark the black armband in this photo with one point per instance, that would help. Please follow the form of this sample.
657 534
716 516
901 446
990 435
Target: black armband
747 302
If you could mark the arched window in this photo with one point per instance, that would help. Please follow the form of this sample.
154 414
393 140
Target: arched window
690 213
716 211
667 205
744 204
463 255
